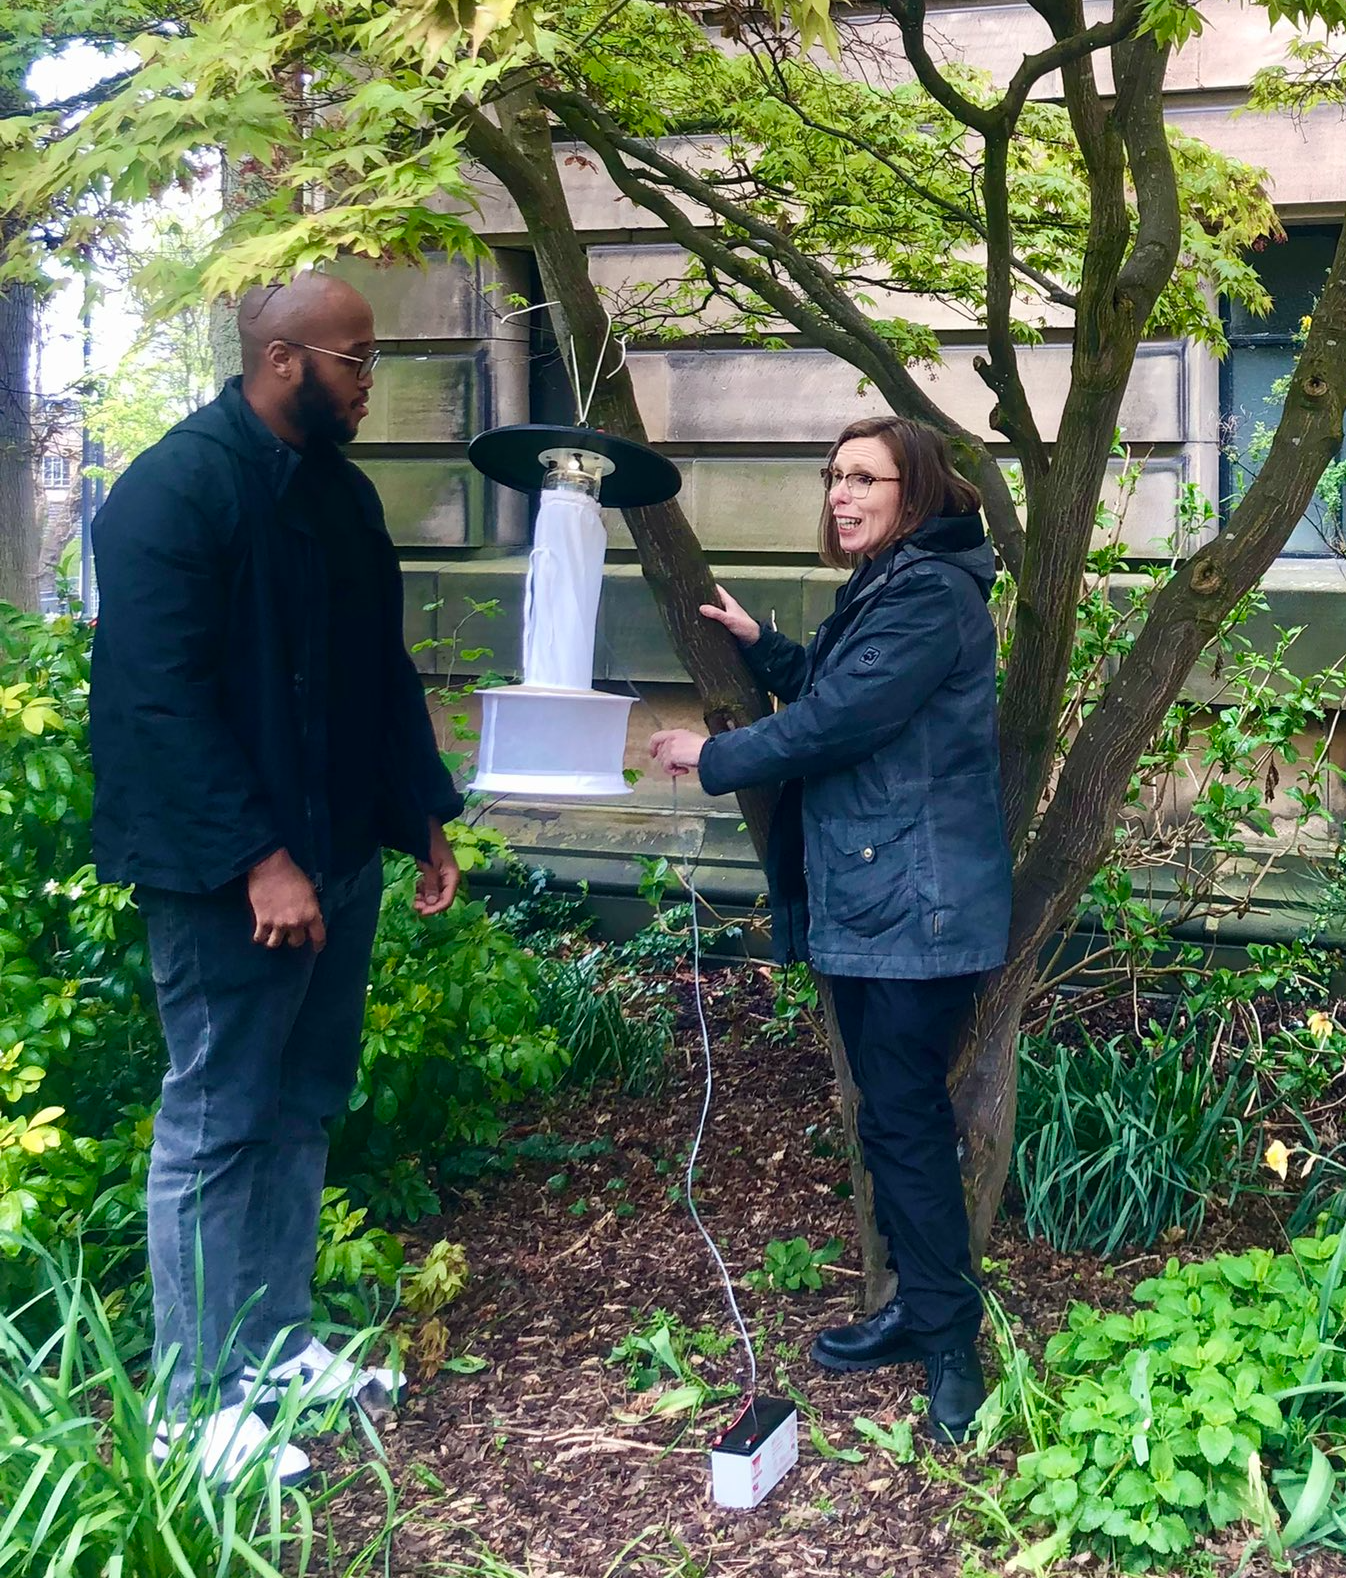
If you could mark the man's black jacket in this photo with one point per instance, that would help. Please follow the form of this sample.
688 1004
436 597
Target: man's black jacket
207 708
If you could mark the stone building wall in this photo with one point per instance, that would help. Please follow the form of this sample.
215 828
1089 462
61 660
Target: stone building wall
748 426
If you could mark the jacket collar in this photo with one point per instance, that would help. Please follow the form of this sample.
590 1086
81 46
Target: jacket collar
942 536
230 421
245 433
939 537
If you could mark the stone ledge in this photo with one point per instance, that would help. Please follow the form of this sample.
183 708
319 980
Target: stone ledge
632 643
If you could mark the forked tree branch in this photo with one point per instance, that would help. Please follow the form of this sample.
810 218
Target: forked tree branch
1073 42
1012 415
1108 328
1184 617
1052 289
826 315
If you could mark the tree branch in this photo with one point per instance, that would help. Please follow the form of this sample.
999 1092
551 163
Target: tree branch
1141 65
1068 48
1051 288
1013 415
518 151
1108 328
1185 616
99 93
1074 42
829 317
910 18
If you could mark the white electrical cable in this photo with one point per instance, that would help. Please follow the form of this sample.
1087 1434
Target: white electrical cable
690 880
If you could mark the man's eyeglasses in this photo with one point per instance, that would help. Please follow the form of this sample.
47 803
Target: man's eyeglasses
367 364
858 483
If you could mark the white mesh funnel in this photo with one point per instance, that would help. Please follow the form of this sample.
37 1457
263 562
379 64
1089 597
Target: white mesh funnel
565 581
551 742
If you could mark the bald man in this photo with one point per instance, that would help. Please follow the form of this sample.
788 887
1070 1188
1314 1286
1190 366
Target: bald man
259 734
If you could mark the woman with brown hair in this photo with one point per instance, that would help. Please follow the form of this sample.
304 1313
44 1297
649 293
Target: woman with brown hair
887 860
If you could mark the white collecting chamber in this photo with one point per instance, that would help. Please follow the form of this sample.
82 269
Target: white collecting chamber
555 734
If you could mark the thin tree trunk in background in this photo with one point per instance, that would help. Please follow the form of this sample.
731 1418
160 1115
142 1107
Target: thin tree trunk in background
225 351
18 497
880 1280
19 540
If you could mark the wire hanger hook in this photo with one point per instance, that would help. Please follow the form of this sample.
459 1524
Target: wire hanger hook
582 419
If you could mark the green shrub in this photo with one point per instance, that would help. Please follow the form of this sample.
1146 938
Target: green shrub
74 972
546 920
452 1037
593 1021
1119 1140
796 1003
663 1353
1155 1427
608 1004
80 1492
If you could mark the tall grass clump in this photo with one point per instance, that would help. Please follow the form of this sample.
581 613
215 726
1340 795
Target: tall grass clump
605 1042
1119 1139
80 1492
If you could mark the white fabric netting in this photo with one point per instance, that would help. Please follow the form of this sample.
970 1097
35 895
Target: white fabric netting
565 580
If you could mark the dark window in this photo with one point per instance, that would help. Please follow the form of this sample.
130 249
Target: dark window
1262 354
55 471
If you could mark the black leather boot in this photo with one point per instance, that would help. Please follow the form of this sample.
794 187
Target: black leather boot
884 1338
957 1390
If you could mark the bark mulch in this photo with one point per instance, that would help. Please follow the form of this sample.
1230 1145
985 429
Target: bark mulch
548 1460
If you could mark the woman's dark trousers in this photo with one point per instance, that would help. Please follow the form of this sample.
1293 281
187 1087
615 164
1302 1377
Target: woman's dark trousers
263 1048
899 1036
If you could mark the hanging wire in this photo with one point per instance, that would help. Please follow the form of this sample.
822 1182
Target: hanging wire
690 879
582 417
688 876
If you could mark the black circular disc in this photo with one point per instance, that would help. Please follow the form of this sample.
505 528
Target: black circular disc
509 455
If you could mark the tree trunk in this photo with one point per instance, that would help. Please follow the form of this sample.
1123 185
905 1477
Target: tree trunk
18 499
20 544
984 1085
880 1280
1073 836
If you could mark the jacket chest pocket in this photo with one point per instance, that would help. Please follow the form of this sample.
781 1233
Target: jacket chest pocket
867 883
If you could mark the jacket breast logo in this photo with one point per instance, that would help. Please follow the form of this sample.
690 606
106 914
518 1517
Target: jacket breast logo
870 655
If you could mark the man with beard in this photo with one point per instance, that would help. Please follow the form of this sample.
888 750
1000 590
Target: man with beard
259 734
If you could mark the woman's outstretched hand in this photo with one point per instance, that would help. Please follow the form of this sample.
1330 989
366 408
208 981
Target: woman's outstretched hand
734 617
677 750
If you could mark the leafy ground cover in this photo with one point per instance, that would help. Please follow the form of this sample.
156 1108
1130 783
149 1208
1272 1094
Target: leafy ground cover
554 1454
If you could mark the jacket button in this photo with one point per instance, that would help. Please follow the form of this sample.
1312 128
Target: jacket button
867 853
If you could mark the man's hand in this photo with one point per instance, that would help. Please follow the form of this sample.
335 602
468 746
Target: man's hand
677 750
285 904
438 881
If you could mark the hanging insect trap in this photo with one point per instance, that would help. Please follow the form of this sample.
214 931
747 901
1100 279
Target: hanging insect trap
555 734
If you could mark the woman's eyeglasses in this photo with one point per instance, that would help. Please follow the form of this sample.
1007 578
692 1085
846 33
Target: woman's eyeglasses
858 483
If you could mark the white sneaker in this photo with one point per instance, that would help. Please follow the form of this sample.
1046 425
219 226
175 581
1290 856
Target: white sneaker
231 1440
324 1377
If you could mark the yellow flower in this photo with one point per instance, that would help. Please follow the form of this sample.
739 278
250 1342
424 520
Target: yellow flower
1320 1026
1277 1158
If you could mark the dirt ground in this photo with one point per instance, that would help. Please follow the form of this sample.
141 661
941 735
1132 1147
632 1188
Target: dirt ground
546 1458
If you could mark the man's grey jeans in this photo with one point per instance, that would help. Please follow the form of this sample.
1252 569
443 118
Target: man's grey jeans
263 1046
